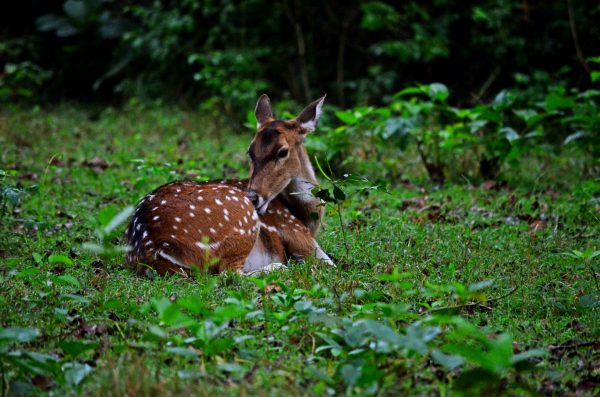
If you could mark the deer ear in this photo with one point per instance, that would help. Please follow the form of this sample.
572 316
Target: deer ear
309 117
263 110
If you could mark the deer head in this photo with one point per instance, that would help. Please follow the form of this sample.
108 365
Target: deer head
277 154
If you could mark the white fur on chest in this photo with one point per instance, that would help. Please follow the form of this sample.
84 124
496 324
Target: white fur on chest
259 258
301 190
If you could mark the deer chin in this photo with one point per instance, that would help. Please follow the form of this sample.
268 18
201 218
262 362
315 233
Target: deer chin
262 207
263 204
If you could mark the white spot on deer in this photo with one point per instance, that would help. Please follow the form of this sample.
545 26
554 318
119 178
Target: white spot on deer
156 218
173 236
177 219
154 209
226 218
220 224
225 211
219 202
148 242
278 212
240 223
138 227
163 202
214 245
175 227
212 230
145 234
242 232
151 197
207 210
185 230
178 190
227 198
199 198
254 215
192 215
165 244
192 207
231 191
234 198
245 220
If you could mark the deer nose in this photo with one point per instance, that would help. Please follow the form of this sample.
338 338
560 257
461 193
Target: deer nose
255 198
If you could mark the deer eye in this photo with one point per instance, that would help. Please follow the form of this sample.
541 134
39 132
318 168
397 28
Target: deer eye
282 153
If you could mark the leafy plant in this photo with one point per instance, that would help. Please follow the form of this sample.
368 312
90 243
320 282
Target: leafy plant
20 81
109 220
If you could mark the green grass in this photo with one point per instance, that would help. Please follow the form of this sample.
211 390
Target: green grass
457 236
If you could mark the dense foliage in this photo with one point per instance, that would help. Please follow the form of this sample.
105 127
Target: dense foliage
221 54
456 290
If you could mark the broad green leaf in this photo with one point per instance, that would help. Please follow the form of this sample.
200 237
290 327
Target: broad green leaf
555 101
75 348
449 361
346 117
157 331
528 354
183 351
28 272
74 298
350 374
588 302
59 258
509 133
574 136
37 258
338 193
16 334
76 372
438 91
66 279
480 285
76 9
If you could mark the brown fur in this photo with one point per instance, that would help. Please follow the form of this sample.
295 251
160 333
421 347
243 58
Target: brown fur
291 240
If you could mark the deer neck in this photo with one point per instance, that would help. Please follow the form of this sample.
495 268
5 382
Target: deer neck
298 195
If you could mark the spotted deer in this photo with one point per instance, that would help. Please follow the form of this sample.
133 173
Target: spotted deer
241 225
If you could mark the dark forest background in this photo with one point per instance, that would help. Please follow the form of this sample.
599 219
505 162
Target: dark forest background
359 52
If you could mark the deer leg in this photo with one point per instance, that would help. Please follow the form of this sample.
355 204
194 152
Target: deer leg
322 256
266 269
266 253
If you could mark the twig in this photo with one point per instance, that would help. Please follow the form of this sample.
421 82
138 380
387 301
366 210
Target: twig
301 46
475 304
573 346
575 38
487 84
